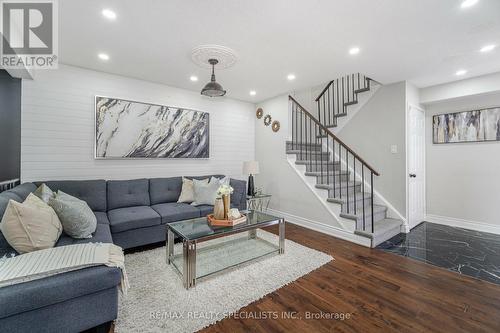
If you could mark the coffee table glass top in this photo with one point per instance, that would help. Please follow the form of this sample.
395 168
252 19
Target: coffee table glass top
199 227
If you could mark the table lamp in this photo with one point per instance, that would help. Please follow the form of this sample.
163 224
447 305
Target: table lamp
250 168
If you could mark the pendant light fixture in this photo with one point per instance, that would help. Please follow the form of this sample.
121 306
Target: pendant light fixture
212 88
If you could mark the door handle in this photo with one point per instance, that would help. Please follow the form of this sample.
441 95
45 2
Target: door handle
412 175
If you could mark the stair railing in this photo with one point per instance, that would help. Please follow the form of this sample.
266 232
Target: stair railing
338 94
334 166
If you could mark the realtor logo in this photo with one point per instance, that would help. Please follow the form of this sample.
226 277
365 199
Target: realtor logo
29 34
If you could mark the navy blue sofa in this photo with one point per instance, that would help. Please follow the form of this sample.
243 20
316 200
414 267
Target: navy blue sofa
130 213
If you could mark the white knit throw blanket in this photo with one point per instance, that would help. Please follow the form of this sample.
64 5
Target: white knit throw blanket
39 264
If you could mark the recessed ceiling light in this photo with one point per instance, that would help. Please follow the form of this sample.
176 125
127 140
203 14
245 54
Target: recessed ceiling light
193 78
103 56
461 72
109 14
290 77
488 48
253 93
468 3
354 50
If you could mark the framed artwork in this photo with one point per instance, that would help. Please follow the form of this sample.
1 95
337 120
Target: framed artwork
130 129
468 126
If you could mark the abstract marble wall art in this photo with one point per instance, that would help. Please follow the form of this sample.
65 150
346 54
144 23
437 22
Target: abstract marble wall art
128 129
468 126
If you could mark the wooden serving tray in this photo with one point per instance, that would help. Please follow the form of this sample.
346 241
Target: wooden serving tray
225 223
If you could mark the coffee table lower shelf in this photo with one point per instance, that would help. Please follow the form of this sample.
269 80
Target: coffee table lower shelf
211 254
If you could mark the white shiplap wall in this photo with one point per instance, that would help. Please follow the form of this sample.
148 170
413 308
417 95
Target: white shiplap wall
57 138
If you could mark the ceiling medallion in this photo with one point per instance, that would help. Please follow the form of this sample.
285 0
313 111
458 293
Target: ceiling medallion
203 53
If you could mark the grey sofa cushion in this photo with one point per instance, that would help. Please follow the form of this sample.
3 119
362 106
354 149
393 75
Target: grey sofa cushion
40 293
93 192
128 193
174 211
122 219
23 190
102 218
205 209
102 234
163 190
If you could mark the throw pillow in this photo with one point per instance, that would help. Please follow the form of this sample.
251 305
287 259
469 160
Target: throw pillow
204 193
187 192
31 225
44 192
76 217
222 181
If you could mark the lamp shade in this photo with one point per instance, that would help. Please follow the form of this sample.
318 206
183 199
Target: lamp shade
250 167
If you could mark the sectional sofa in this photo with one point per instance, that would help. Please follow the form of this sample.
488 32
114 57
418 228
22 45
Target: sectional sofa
130 213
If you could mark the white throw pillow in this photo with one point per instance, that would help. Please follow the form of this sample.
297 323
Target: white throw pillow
187 192
30 226
204 193
222 181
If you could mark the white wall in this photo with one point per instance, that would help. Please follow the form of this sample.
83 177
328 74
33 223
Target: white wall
57 135
463 179
277 177
485 84
372 131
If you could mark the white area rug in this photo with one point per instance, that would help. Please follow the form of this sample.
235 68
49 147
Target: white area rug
158 302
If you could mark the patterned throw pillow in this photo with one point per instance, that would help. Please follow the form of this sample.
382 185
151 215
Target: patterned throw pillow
44 192
31 225
205 193
187 192
77 218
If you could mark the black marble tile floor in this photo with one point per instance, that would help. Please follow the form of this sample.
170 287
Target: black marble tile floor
467 252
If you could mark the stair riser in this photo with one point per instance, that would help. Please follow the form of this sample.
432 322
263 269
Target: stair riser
368 220
317 167
314 157
359 204
290 146
344 191
328 179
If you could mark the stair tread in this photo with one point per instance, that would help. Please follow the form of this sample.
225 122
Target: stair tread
309 152
342 114
330 173
319 161
357 91
303 143
359 196
338 185
368 212
350 103
381 227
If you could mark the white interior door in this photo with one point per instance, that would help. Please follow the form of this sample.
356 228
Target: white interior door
416 165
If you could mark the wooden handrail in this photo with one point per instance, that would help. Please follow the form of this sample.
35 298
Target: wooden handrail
328 132
325 89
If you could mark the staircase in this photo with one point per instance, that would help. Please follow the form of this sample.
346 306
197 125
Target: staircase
338 170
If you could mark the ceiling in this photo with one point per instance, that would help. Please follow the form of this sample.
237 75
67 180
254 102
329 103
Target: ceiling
423 41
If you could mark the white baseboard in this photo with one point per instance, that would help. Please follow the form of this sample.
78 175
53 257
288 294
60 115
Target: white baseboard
461 223
321 227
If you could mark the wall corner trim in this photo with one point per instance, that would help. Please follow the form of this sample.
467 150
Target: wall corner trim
465 224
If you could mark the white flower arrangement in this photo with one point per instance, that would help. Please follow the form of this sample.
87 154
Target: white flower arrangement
224 190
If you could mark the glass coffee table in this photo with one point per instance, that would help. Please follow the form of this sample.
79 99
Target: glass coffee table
207 249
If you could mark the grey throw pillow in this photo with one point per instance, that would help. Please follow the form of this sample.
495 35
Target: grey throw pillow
44 192
76 217
205 193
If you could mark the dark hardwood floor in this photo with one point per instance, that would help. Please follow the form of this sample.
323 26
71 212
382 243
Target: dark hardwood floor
380 292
